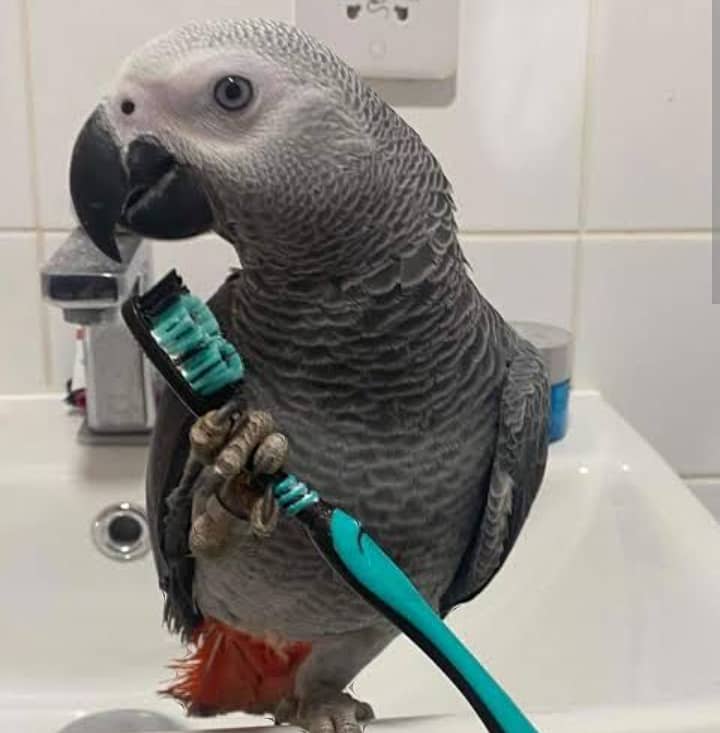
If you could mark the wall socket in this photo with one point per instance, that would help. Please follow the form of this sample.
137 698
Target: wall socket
387 39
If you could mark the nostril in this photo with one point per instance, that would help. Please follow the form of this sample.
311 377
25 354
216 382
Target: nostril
125 530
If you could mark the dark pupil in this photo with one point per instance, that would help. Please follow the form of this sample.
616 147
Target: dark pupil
233 90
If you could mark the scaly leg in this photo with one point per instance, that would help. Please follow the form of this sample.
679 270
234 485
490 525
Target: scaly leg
320 704
328 712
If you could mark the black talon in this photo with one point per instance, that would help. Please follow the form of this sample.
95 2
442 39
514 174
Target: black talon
269 505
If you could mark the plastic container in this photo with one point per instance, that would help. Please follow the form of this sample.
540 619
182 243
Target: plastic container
555 347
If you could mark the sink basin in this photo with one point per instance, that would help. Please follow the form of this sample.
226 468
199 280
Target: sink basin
604 618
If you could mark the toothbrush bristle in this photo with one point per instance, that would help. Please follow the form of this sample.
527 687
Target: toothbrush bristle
162 295
189 333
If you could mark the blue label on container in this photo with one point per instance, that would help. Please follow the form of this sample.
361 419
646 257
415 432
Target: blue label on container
559 399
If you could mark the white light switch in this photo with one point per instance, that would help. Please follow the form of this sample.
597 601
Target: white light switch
387 39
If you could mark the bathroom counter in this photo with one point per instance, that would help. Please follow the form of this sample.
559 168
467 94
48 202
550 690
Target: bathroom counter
603 619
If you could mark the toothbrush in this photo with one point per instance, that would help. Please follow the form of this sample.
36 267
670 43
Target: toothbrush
182 338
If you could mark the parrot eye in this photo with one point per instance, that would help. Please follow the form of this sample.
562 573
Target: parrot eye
233 93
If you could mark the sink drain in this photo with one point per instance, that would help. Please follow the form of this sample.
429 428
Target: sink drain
121 532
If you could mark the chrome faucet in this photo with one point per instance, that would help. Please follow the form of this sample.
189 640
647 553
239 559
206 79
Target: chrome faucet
90 288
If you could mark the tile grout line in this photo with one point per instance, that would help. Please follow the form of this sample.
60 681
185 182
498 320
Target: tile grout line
30 109
587 234
34 174
585 148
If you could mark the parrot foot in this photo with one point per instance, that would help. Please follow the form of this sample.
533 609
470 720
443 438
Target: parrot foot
326 713
227 482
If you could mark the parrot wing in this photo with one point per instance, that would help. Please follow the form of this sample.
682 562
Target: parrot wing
517 472
169 510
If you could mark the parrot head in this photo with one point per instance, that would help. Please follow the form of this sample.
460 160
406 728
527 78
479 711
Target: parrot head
249 128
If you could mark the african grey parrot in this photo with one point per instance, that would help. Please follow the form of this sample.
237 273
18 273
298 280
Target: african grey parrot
406 398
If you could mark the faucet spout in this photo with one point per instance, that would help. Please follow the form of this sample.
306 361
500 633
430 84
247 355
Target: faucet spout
90 287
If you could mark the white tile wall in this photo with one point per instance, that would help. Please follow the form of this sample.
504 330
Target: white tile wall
541 146
525 278
511 140
16 208
22 366
204 262
649 160
648 338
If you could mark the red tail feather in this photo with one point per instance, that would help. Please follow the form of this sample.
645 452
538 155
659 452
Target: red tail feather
233 671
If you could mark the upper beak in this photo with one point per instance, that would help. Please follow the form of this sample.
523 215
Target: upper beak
142 188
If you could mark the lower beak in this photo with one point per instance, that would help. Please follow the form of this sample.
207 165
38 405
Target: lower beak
142 188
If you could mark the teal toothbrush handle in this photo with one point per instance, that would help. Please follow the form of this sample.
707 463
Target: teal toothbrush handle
377 572
346 546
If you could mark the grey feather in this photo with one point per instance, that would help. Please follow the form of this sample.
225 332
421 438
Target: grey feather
517 472
406 398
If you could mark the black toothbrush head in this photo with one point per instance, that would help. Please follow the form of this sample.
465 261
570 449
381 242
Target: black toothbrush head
182 339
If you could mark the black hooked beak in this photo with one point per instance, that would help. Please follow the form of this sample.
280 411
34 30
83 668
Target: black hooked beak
145 190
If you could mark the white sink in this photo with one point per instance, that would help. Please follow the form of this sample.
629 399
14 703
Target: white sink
605 618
